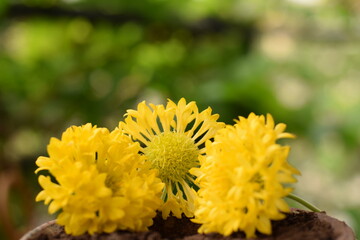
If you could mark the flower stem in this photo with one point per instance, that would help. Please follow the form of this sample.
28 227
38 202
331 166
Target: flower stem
303 202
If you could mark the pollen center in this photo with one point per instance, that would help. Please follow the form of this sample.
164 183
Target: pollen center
173 154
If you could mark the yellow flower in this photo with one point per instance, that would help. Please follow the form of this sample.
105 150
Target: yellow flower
172 139
100 183
243 178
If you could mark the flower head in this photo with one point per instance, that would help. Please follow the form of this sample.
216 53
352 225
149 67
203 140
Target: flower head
172 139
242 178
100 183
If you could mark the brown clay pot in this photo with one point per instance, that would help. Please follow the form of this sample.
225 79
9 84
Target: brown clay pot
298 225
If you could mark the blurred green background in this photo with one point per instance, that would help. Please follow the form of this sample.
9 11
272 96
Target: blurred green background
65 62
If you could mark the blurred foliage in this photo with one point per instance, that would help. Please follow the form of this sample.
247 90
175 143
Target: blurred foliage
78 61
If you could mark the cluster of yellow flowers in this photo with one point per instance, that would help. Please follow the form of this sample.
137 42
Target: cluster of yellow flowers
173 159
100 184
241 178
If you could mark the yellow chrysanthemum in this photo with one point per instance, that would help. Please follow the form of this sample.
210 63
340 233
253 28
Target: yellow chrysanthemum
172 139
100 183
243 178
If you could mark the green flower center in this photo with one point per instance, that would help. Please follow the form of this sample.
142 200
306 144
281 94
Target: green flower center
173 154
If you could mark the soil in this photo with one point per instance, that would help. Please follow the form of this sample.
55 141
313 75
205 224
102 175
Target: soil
298 225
